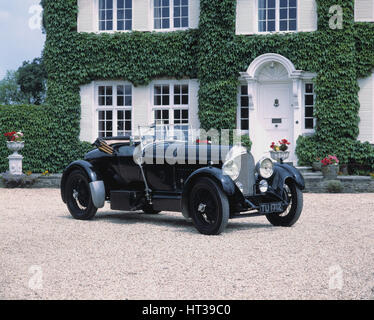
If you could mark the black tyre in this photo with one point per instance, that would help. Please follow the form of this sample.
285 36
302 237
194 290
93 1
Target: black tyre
147 209
78 196
209 207
294 197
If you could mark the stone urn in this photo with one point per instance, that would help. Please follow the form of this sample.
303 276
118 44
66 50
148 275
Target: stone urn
279 155
330 172
15 159
317 165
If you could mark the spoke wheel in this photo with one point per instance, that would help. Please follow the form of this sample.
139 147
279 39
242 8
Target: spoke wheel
293 206
209 207
78 196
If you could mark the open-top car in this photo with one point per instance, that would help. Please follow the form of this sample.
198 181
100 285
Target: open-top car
208 183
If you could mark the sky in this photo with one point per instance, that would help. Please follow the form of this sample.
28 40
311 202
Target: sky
21 37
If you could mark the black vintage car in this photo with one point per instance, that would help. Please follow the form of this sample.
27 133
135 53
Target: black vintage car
208 183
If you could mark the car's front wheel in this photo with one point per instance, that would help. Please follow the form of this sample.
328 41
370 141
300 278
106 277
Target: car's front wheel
209 207
293 198
78 196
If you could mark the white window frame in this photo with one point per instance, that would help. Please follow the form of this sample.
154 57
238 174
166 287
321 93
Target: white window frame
309 131
114 106
115 25
277 19
171 25
171 107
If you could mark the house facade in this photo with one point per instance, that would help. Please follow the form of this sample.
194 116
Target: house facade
275 99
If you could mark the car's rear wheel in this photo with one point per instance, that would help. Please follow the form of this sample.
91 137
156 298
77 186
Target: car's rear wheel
78 196
209 207
293 196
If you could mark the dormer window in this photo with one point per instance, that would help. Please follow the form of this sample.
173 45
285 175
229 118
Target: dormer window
277 15
170 14
115 15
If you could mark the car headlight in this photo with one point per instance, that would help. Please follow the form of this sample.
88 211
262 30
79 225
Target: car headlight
265 168
231 169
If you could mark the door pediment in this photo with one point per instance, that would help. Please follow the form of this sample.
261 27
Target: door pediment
273 71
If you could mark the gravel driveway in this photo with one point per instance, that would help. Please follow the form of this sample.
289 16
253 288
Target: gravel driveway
45 254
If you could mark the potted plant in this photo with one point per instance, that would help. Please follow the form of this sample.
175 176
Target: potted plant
330 167
15 141
279 151
317 165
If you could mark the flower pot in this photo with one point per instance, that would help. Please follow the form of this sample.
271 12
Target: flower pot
279 155
317 166
15 146
330 172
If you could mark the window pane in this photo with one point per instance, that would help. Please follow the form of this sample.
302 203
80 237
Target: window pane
262 4
271 14
165 12
283 3
262 15
292 3
309 112
309 100
185 100
309 123
184 22
283 14
165 100
120 101
271 3
309 88
293 25
244 90
128 101
262 26
109 115
244 101
177 99
244 125
244 113
293 13
271 26
165 24
283 25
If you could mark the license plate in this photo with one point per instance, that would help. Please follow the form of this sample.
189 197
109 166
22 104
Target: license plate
271 207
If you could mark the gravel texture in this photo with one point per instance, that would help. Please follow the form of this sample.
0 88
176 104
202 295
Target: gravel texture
45 254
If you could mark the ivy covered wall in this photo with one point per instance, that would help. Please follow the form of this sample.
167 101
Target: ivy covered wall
214 55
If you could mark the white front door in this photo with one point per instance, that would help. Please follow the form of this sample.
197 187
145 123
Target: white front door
275 117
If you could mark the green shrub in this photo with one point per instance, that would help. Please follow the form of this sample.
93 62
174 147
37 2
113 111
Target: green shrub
334 186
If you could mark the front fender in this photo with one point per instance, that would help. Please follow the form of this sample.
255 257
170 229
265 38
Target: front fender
96 184
282 172
224 181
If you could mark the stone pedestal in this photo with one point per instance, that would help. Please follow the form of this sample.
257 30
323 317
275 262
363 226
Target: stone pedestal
15 159
15 164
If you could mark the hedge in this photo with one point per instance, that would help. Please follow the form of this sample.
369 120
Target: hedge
40 149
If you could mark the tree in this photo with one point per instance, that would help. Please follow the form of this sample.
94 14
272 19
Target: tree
10 91
32 79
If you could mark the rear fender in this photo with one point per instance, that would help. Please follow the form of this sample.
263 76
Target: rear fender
224 181
97 186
